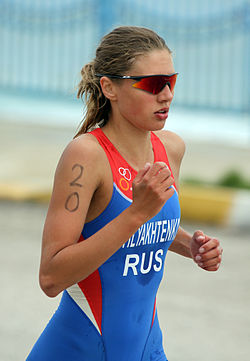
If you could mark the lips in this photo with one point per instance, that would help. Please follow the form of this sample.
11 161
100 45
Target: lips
162 114
162 111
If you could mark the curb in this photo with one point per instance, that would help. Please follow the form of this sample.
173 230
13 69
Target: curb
24 193
213 205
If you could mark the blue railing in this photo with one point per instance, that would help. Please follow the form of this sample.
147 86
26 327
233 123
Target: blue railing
44 44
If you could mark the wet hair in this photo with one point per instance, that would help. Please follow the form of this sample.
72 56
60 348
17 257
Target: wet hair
116 54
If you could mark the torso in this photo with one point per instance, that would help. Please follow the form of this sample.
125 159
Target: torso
120 296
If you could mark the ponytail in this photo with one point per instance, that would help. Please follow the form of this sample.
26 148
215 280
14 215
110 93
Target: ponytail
97 105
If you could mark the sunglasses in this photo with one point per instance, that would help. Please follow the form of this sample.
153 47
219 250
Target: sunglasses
150 83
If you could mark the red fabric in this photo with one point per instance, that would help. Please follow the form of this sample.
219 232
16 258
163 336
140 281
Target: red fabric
92 289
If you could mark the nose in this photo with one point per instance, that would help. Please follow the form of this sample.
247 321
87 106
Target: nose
165 94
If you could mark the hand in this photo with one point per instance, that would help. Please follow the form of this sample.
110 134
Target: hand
151 189
206 251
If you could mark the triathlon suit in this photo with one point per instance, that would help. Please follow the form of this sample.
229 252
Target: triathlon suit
111 315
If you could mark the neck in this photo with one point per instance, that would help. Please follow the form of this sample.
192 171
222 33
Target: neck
132 143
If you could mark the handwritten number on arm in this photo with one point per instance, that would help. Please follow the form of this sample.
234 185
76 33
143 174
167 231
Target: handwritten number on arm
73 200
74 182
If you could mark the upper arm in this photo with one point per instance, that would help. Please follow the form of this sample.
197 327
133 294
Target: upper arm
75 182
175 148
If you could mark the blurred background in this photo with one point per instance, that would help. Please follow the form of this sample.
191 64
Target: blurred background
44 44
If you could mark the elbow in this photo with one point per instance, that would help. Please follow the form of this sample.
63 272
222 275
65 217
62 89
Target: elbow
48 286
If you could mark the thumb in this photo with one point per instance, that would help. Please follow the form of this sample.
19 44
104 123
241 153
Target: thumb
142 172
199 237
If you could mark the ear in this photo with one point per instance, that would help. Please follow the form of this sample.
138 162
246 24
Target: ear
108 88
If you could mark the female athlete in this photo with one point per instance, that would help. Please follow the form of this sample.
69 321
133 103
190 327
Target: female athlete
114 210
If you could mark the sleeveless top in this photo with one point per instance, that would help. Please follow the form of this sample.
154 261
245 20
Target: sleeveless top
111 315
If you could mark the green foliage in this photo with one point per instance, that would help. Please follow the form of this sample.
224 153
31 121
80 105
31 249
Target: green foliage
232 179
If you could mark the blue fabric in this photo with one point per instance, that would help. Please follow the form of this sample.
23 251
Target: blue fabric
69 336
153 349
128 293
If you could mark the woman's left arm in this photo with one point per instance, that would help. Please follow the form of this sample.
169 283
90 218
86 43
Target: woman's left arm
204 250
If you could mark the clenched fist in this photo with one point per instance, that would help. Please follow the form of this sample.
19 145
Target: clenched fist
151 189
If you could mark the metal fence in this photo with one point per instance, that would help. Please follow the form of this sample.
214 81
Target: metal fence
44 44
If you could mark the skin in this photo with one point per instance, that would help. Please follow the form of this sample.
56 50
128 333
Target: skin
82 191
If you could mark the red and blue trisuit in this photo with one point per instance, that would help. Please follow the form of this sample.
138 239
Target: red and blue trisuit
111 315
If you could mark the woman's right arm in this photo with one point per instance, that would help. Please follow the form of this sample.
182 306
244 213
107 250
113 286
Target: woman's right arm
65 262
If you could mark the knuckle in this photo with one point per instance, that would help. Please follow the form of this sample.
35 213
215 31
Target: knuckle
157 165
168 180
198 233
211 268
216 242
204 257
218 252
166 171
161 164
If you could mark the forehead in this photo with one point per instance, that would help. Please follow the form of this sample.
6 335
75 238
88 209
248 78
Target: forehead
154 62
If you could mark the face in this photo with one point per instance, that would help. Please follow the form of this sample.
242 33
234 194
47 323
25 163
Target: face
140 108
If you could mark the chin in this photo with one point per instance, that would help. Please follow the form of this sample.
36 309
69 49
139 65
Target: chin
159 125
154 126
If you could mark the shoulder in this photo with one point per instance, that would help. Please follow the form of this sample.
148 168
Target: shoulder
173 143
85 146
82 152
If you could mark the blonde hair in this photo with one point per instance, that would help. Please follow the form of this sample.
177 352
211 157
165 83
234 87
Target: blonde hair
116 54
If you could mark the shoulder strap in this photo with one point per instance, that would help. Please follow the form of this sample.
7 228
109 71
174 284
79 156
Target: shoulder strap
123 173
160 151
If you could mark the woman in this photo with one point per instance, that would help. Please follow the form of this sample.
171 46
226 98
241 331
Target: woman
114 210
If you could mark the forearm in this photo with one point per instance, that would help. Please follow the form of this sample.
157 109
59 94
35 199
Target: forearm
181 243
77 261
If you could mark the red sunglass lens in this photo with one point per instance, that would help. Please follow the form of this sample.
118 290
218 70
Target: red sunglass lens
154 84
